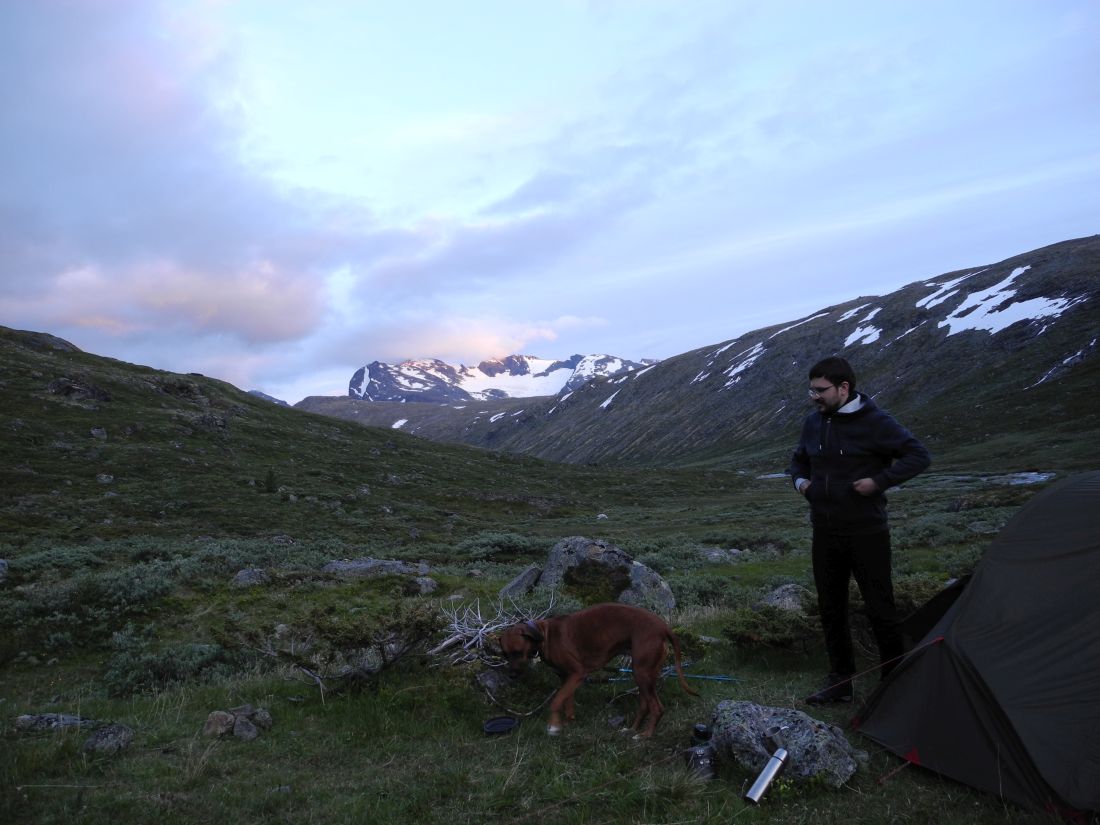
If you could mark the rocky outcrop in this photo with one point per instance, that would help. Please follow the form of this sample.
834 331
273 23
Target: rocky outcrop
575 561
748 734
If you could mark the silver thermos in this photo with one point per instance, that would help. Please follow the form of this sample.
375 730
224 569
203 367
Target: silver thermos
770 772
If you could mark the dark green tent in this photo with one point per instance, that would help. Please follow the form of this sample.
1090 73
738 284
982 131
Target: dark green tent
1003 693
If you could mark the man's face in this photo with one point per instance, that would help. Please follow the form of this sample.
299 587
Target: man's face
828 398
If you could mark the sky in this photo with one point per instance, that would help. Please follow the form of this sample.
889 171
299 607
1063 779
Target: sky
276 193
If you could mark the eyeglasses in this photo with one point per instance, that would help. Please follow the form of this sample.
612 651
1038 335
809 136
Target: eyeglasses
817 392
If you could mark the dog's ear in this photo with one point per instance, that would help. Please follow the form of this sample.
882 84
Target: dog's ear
532 632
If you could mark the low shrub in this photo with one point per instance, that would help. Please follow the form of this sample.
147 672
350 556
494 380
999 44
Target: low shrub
135 666
709 590
768 626
493 545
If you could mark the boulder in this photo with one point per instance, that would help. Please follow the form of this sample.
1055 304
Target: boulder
3 569
52 721
108 739
642 586
790 597
218 723
244 722
244 729
425 585
250 577
718 555
748 734
522 584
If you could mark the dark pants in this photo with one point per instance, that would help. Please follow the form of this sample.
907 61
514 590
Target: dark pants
836 559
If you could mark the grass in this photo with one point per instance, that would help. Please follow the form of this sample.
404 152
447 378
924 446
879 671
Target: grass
119 597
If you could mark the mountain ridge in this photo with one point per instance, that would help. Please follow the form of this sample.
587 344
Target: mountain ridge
514 376
954 356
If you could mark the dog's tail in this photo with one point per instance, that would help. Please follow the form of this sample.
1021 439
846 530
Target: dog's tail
679 668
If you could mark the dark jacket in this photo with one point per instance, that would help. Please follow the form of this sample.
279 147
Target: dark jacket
838 448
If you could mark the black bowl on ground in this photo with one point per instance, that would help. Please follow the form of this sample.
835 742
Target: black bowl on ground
500 725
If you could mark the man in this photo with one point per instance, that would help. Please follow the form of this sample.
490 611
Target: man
850 452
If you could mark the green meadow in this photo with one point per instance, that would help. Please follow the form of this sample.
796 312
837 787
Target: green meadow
131 498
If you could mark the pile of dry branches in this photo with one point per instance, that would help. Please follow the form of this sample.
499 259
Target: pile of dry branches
471 633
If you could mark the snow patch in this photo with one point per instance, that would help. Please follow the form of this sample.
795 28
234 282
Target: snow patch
991 309
748 358
944 291
851 313
611 398
863 335
800 323
399 423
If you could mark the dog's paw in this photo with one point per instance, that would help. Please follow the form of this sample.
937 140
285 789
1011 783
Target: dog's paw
553 730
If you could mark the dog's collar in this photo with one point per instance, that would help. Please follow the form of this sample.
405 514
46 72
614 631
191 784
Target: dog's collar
537 635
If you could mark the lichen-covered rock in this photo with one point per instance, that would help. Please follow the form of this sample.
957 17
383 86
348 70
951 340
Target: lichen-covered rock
640 586
218 723
244 729
108 739
747 734
250 577
522 584
789 597
52 721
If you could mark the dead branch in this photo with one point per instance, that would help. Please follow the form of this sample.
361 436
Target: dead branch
475 632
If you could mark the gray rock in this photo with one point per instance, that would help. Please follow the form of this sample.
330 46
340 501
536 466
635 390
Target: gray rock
250 577
747 734
426 585
262 719
646 589
522 584
3 569
105 478
108 739
716 555
791 597
218 723
495 681
368 568
52 721
244 729
99 432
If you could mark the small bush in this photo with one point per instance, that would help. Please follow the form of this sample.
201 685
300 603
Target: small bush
960 562
709 590
134 667
501 545
768 626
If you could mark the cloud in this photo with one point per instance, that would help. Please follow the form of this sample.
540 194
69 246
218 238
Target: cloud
127 199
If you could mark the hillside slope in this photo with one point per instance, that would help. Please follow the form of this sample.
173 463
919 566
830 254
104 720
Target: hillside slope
96 448
998 359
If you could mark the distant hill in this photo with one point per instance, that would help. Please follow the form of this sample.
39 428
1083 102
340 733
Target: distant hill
993 357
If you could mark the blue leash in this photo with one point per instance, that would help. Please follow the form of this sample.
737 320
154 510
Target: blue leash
669 671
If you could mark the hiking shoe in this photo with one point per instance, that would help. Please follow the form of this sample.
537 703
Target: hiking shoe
836 688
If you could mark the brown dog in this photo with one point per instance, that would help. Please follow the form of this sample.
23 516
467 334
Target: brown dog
585 641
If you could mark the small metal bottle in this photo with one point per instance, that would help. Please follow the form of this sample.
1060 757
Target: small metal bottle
770 772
